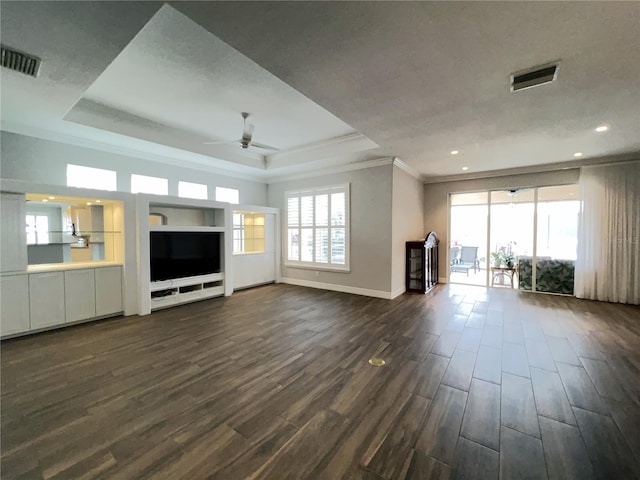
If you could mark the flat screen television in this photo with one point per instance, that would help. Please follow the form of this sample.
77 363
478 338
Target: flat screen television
184 254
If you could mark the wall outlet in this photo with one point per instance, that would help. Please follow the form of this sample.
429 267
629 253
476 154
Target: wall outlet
317 274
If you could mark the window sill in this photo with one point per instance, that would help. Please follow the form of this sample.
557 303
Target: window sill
319 267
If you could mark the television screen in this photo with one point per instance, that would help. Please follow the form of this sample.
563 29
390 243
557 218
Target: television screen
184 254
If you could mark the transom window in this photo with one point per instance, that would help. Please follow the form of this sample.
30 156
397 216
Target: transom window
230 195
318 227
145 184
192 190
89 177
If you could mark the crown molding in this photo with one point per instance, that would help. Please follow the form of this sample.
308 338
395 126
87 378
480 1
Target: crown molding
321 150
337 169
407 168
549 167
192 160
350 137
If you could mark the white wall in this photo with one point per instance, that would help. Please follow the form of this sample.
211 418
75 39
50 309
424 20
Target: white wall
371 202
43 161
436 198
407 223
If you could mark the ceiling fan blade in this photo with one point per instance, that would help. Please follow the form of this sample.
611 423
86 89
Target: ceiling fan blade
222 142
263 146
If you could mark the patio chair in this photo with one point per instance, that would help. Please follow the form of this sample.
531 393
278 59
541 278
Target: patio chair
455 255
468 260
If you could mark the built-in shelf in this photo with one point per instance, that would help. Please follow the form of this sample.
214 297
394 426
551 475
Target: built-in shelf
182 215
53 267
167 293
183 282
184 228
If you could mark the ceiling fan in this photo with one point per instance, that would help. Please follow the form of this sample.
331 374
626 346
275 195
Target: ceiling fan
246 140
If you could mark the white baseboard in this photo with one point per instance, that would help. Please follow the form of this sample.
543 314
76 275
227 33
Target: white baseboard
398 292
340 288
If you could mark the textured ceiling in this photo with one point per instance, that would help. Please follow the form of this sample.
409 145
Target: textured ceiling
419 79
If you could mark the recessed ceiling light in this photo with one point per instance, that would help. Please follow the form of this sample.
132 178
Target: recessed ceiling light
89 203
454 152
98 201
602 128
577 154
45 200
52 198
465 168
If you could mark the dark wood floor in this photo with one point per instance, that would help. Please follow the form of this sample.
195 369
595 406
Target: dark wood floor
274 383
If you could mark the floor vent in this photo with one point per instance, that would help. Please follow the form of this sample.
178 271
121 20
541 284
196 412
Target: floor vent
533 77
20 61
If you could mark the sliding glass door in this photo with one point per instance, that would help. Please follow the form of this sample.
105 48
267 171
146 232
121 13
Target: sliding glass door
557 238
468 238
522 238
511 235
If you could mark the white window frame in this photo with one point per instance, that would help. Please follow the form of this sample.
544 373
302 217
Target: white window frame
33 236
229 195
81 176
340 188
238 232
158 181
193 190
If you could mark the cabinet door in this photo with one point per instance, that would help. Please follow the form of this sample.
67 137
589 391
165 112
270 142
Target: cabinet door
108 290
14 312
415 265
46 299
241 271
268 267
13 236
269 232
79 294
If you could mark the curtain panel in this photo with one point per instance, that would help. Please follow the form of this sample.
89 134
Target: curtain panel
608 263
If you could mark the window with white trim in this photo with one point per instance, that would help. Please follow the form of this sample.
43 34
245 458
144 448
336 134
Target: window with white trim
318 227
89 177
37 229
230 195
145 184
238 232
192 190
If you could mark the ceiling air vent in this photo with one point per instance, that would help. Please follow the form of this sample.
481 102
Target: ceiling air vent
20 61
532 77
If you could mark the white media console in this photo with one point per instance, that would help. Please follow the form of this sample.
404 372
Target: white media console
166 293
188 216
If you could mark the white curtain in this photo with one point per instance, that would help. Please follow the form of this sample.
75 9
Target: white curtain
608 264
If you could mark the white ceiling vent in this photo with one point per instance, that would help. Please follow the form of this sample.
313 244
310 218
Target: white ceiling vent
20 61
532 77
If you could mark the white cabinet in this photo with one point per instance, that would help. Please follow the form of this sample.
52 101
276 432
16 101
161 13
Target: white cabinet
13 236
79 294
46 299
270 233
253 269
14 311
189 289
108 290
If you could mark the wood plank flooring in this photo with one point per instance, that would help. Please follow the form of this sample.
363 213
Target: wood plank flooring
274 383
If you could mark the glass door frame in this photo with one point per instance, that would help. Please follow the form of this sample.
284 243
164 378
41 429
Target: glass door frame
534 256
